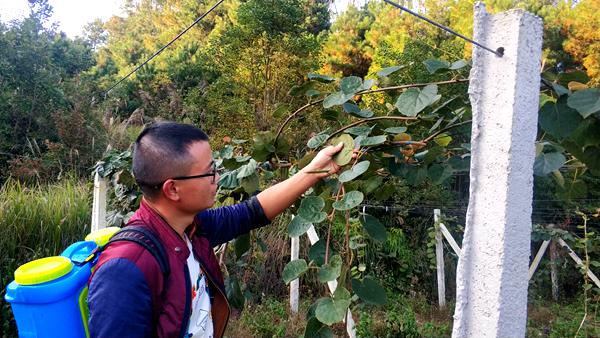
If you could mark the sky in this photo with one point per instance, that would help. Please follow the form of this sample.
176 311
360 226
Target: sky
72 15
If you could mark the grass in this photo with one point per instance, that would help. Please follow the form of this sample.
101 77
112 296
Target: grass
37 221
406 317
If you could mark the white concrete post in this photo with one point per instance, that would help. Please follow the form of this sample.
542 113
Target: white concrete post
295 284
99 203
492 271
439 260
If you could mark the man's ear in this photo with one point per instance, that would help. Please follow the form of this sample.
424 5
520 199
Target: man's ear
170 190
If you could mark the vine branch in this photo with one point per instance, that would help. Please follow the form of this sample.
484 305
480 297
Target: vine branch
398 118
443 130
371 91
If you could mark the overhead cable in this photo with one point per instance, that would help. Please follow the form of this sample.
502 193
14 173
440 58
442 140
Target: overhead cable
499 51
164 47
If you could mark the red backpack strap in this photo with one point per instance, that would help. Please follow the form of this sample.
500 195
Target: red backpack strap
142 235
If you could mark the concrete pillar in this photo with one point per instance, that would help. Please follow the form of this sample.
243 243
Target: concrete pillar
504 91
439 260
295 284
99 203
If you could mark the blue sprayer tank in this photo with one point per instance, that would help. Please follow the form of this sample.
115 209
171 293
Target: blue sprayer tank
49 295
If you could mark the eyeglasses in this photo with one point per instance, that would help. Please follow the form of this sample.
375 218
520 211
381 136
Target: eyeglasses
212 174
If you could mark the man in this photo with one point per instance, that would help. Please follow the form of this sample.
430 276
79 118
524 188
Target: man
173 165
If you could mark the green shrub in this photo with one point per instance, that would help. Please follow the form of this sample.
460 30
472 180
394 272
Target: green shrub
397 319
38 221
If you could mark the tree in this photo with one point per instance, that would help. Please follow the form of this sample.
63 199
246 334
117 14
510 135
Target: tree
37 67
582 28
345 51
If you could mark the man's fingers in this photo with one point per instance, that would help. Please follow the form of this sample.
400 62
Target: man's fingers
335 149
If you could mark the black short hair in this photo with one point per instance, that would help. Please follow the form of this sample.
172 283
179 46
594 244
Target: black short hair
161 151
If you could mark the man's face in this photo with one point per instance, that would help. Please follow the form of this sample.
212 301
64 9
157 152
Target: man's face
198 194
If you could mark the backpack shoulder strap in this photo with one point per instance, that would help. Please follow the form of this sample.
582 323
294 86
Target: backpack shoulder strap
148 240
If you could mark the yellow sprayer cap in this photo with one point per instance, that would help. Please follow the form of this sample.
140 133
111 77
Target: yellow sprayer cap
43 270
102 236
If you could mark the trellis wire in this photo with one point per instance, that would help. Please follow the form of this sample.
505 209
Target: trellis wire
499 51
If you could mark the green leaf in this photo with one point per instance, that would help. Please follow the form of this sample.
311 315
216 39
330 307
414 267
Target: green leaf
226 152
558 119
443 140
459 163
370 291
298 226
316 329
345 155
384 192
321 78
350 85
574 190
560 90
242 245
588 155
353 109
331 270
234 293
395 130
247 169
443 105
587 133
439 173
263 146
312 92
368 84
416 175
371 184
546 163
586 102
317 140
280 110
458 64
578 75
365 113
250 184
359 130
241 159
228 180
299 90
429 156
336 99
354 172
333 310
316 253
373 140
310 209
414 100
330 115
293 270
433 65
389 70
373 227
350 200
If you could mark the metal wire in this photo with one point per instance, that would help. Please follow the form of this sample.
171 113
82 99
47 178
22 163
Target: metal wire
499 51
164 47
